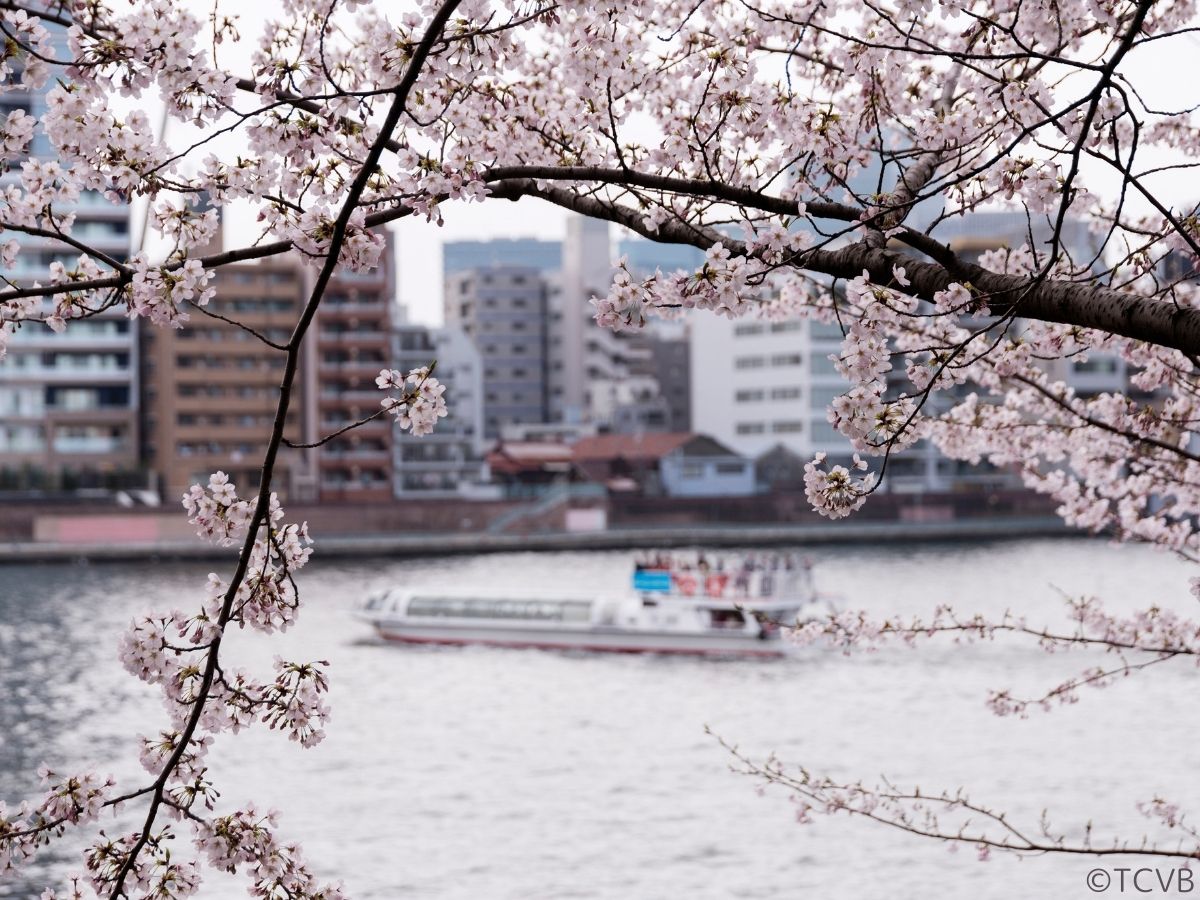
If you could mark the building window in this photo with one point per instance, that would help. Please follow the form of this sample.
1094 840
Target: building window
822 396
825 331
750 428
789 427
822 365
1097 366
787 359
750 396
749 362
823 431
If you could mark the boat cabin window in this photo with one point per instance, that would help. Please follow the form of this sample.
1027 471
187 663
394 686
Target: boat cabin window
481 608
728 618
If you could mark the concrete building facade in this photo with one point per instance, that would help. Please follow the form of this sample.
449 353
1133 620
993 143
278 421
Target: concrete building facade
352 344
210 389
68 402
592 375
448 462
526 253
502 310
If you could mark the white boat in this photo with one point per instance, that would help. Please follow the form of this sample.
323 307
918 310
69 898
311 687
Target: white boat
656 617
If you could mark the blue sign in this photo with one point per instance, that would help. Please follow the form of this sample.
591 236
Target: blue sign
654 581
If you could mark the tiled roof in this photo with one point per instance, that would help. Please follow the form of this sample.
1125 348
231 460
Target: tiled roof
651 445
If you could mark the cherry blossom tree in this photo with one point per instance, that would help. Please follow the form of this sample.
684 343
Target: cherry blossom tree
816 151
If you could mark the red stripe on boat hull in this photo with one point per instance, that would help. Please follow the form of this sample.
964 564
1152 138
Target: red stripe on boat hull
600 648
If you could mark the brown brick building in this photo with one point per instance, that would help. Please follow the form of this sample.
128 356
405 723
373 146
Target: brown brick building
352 343
209 389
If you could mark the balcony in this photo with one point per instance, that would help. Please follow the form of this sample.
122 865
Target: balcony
334 454
57 375
88 445
380 337
25 446
356 365
370 398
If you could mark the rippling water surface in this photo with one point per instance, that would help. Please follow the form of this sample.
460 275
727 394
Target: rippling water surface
488 773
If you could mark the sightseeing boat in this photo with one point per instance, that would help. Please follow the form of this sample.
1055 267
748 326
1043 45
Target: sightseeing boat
676 605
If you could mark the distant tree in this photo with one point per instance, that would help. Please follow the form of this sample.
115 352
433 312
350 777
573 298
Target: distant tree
814 150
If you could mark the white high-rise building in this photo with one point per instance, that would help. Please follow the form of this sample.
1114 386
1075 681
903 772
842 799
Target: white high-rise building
583 358
68 402
450 460
758 384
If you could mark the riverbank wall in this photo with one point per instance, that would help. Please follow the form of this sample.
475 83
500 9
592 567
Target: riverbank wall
730 536
46 531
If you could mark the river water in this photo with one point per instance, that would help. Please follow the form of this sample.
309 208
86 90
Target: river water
488 773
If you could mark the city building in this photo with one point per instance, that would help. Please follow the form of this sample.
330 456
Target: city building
761 384
503 311
662 352
448 462
591 375
631 405
582 356
526 253
972 235
210 389
642 257
352 343
763 388
68 402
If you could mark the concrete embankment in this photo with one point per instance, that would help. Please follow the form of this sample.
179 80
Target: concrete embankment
457 543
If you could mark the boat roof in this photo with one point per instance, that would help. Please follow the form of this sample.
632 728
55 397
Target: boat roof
544 596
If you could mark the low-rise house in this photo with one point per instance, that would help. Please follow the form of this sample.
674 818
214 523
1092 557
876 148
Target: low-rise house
672 464
530 468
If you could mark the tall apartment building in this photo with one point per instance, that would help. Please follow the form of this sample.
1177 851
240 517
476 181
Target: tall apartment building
582 356
450 460
593 375
68 402
502 311
352 343
210 389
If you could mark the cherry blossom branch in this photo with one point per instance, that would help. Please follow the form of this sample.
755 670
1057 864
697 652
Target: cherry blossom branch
951 816
262 506
1063 302
1157 633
